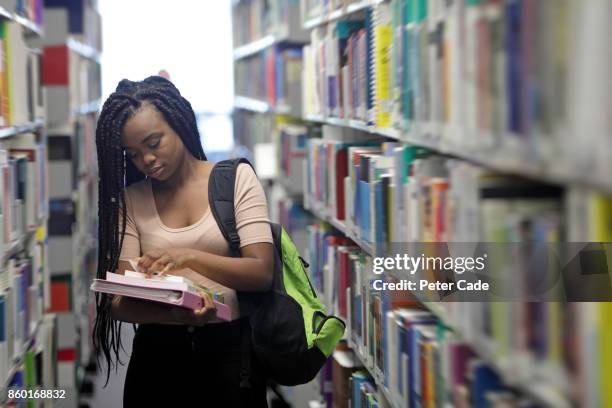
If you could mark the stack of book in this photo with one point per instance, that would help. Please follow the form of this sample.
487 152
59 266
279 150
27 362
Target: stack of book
172 290
23 181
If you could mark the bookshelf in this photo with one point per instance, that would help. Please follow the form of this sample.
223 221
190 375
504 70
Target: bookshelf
543 158
317 17
255 47
29 25
268 39
28 22
24 269
540 392
254 105
15 131
493 159
84 50
453 102
71 49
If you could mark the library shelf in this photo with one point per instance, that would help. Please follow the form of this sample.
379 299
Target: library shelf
256 105
538 389
355 124
16 246
322 213
28 24
18 360
251 104
255 47
494 158
321 20
83 50
360 5
19 244
12 131
282 109
368 364
338 13
290 189
4 13
87 108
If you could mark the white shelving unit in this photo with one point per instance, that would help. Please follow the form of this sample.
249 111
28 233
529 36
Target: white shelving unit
13 131
31 27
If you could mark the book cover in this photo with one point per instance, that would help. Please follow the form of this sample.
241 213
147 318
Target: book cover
158 290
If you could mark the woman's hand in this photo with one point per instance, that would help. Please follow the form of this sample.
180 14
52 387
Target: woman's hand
164 260
206 313
198 317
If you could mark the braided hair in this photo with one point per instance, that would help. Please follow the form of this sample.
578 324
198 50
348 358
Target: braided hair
116 171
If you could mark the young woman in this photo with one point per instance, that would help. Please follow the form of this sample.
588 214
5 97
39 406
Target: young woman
153 204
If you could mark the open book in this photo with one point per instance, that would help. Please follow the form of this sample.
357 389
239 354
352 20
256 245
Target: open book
173 290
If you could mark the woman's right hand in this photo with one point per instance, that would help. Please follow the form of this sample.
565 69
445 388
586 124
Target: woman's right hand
207 312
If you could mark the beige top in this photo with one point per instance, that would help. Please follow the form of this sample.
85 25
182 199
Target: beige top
145 231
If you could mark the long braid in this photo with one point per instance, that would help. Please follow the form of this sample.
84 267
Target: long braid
116 172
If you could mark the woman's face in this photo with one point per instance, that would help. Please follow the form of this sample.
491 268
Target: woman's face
151 144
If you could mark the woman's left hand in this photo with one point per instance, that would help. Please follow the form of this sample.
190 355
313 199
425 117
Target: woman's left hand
164 260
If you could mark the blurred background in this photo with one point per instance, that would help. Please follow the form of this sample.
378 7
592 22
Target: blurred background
373 125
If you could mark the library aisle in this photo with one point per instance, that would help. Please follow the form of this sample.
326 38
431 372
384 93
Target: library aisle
442 167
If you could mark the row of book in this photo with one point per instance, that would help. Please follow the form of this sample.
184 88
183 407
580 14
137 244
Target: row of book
37 367
291 154
23 183
24 299
436 370
477 75
558 346
390 192
251 128
255 19
335 72
20 311
30 9
272 76
21 95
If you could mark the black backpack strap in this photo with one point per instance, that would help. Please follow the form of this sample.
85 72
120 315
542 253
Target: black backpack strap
221 200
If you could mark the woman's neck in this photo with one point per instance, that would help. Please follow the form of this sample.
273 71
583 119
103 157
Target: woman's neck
190 169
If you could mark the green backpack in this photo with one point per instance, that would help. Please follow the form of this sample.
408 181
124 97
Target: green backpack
291 334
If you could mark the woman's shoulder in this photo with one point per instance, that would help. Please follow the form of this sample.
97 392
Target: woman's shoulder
246 178
245 171
138 190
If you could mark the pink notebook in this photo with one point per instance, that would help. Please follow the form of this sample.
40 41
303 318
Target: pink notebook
173 293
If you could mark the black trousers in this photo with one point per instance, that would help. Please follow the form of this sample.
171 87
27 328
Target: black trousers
185 366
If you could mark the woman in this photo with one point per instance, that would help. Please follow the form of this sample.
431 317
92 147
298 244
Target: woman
147 139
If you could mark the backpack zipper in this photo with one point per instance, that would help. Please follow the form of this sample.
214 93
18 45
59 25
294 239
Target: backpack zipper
326 318
304 266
